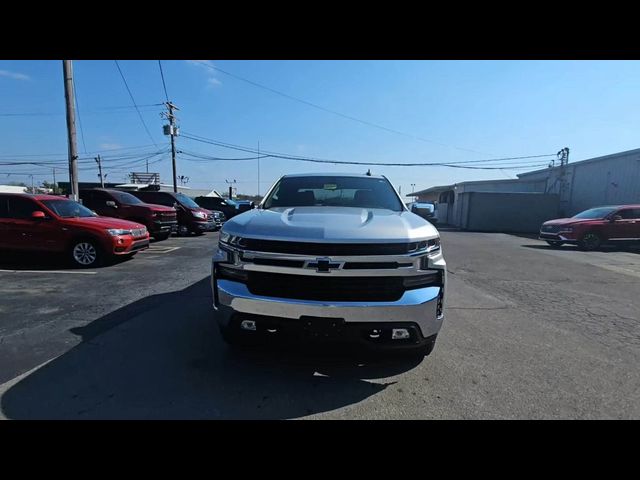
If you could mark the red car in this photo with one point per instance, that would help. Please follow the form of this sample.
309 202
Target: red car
51 223
594 227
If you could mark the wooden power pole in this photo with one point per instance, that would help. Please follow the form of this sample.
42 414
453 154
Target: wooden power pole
69 96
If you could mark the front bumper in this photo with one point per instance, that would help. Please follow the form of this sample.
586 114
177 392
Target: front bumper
556 237
164 226
208 226
233 300
129 245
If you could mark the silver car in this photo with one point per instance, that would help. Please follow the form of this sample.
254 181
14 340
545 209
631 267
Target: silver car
330 258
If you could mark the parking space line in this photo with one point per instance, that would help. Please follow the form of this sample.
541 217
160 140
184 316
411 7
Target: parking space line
159 249
49 271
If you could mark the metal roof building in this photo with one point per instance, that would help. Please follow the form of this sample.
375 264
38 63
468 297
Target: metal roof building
608 180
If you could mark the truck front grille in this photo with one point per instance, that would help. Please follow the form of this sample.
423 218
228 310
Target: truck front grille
317 287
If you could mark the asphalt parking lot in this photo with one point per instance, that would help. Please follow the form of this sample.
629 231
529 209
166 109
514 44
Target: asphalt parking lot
530 332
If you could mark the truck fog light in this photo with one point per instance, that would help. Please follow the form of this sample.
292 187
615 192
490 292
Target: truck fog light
248 325
375 333
399 334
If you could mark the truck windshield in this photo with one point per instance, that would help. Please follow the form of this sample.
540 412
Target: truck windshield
595 213
68 208
334 191
182 198
126 198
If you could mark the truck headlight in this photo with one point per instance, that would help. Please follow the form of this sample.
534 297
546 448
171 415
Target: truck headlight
199 214
232 240
117 231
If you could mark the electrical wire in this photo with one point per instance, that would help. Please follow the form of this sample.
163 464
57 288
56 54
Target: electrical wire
164 85
75 91
134 104
381 164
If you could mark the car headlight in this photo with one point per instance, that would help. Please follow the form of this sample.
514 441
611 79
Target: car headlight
199 214
118 231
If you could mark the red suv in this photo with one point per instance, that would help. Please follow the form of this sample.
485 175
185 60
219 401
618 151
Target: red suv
594 227
50 223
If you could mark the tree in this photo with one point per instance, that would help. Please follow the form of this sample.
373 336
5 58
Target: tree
53 186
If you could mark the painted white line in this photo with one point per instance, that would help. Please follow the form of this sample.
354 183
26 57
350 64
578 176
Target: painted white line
49 271
159 249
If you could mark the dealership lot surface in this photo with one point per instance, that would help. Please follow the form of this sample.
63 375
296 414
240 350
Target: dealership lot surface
530 332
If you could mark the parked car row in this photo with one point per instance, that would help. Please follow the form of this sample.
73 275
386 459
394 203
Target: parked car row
594 227
106 223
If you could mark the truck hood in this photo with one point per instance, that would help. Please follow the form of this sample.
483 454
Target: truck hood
156 208
330 224
102 222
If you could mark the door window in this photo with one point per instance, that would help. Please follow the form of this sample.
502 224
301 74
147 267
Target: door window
20 207
4 207
630 214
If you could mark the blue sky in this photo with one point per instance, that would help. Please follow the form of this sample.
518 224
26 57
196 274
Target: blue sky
461 110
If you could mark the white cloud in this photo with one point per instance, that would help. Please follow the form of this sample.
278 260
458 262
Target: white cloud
14 75
205 65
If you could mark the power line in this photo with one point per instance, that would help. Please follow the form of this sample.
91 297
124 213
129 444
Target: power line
164 85
75 94
382 164
349 117
134 104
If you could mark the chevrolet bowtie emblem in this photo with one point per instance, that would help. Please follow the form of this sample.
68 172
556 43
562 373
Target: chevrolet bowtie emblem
323 264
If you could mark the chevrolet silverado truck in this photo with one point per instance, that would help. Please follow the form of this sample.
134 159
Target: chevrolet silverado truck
330 257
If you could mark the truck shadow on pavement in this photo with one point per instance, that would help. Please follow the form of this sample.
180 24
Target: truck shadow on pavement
40 261
162 358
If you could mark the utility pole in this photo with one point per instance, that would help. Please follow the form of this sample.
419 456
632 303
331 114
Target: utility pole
69 96
33 190
258 167
55 186
99 162
564 160
173 132
230 188
413 186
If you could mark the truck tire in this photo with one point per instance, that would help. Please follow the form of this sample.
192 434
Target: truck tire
590 241
554 243
86 253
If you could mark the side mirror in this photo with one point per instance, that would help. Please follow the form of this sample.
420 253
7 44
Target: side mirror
38 215
111 203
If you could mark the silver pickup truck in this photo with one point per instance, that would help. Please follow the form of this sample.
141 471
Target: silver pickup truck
334 257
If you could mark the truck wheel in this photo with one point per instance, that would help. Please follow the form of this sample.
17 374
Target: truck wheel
161 236
554 244
590 241
183 230
86 253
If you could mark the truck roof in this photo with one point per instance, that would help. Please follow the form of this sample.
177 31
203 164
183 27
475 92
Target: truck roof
332 174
